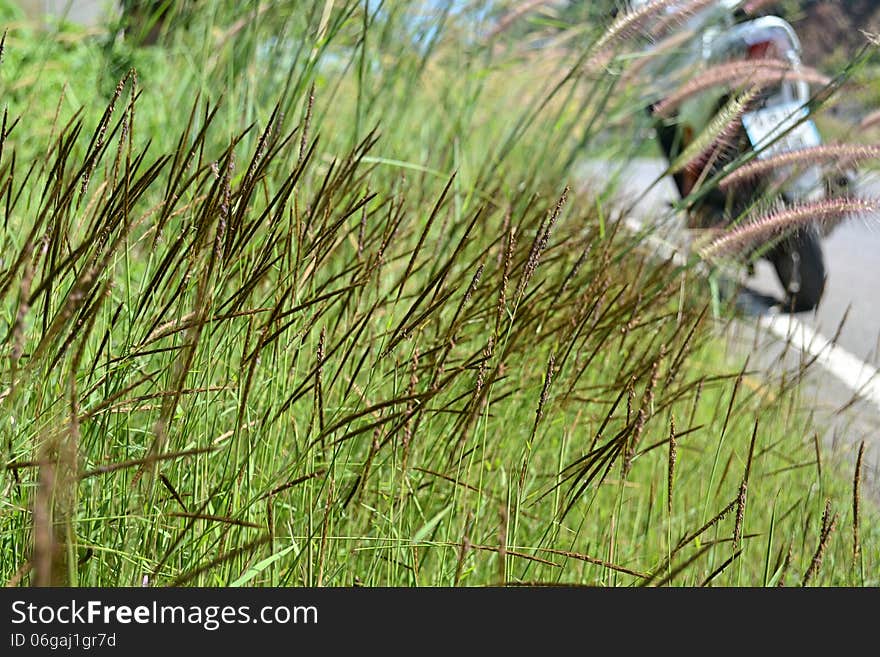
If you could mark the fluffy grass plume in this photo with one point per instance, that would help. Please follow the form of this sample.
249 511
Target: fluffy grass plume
315 310
766 227
841 155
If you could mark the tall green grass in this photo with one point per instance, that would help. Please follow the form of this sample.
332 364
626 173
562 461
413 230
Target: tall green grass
310 296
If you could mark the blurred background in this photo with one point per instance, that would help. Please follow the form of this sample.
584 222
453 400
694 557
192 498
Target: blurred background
85 12
831 30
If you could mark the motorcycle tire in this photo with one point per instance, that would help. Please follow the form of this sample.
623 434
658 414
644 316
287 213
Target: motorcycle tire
800 267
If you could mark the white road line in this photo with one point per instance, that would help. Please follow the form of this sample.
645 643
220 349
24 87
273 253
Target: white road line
854 373
857 375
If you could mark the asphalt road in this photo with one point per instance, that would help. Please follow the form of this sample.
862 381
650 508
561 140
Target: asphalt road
852 259
847 412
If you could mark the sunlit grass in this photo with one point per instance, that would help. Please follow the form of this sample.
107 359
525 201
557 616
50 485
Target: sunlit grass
319 303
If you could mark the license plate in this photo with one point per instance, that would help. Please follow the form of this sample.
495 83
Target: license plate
764 126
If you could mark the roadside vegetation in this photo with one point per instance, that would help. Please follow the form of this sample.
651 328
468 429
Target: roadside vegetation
310 294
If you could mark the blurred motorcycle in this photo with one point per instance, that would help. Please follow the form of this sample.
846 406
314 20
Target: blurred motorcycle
768 119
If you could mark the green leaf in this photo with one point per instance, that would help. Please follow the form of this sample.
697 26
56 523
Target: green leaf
428 527
259 567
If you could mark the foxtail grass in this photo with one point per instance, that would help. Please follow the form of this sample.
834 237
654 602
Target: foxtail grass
318 332
765 227
757 72
840 155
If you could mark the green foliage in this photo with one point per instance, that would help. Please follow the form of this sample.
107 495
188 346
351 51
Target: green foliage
304 299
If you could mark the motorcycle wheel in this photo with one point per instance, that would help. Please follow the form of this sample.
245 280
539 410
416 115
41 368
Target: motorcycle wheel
800 266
